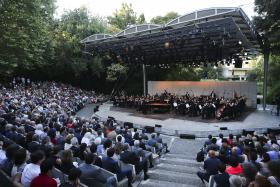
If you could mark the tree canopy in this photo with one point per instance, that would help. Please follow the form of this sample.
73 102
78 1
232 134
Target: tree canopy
164 19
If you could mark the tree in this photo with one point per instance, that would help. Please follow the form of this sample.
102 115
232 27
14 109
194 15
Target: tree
268 22
26 41
164 19
70 63
123 17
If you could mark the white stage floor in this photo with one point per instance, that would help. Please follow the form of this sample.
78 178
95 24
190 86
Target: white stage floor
258 120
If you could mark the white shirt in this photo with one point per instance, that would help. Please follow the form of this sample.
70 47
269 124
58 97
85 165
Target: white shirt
219 142
2 155
29 173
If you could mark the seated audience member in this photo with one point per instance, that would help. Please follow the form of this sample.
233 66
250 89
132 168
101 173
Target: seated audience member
7 164
75 147
90 171
222 179
249 172
97 161
159 140
260 181
264 165
219 141
19 162
208 141
274 152
211 165
112 165
119 144
253 159
223 157
66 161
73 178
44 180
140 152
130 157
213 146
32 170
152 142
274 168
34 145
234 167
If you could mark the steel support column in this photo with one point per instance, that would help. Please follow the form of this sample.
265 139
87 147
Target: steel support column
144 80
265 75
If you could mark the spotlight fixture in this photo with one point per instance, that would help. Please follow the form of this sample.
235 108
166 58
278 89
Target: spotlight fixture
166 45
240 42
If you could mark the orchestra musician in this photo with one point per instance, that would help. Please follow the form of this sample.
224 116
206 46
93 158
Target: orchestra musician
206 106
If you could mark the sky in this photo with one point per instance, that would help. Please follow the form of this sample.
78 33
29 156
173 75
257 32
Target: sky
152 8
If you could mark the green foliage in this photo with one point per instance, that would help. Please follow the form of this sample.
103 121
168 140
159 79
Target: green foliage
116 71
26 41
123 17
273 78
268 22
164 19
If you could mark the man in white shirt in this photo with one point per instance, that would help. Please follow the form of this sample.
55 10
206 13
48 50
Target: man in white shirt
2 152
219 141
32 170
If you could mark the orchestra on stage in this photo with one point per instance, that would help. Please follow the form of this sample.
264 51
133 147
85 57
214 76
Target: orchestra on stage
207 106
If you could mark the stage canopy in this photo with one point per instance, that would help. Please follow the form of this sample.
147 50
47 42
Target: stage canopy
211 35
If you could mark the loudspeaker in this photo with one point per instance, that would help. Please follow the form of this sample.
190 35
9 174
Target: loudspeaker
95 109
223 128
274 131
238 63
150 129
128 124
187 136
245 132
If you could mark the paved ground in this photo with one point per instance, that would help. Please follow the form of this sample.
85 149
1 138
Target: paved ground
258 120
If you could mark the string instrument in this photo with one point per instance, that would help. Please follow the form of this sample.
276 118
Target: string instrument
220 111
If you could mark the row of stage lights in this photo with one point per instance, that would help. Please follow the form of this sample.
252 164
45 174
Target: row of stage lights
200 65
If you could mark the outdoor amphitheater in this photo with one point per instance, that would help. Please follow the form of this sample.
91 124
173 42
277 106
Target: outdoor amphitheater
120 100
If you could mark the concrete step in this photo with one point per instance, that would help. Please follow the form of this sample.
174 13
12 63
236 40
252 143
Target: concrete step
181 161
177 168
175 177
158 183
191 156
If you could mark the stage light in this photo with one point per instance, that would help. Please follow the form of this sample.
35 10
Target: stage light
166 45
240 42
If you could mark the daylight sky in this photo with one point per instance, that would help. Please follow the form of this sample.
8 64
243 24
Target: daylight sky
152 8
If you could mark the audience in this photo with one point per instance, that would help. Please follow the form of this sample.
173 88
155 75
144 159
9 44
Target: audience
251 160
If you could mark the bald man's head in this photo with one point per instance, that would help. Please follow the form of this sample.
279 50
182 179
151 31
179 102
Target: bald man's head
211 153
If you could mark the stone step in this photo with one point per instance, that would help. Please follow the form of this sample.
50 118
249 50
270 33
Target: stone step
183 156
158 183
177 168
180 161
176 177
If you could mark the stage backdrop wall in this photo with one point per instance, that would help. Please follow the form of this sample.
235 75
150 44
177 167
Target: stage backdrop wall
221 88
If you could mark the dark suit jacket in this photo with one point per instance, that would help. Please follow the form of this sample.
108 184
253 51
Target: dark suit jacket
92 171
222 180
129 157
211 165
33 146
110 165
